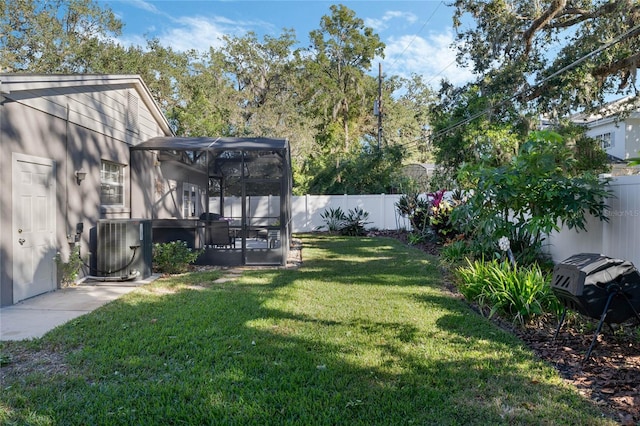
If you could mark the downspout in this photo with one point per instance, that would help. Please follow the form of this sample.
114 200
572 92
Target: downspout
66 172
130 187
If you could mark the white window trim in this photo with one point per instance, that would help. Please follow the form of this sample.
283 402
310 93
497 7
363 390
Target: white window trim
607 140
190 204
122 176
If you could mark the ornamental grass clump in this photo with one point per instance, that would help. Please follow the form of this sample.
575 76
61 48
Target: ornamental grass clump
513 292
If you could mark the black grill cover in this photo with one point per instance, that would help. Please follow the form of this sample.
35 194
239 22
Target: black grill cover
583 282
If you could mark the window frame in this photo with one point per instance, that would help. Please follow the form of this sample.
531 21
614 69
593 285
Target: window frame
190 200
606 140
117 200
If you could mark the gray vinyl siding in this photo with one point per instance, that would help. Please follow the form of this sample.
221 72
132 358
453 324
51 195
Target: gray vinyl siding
97 109
33 121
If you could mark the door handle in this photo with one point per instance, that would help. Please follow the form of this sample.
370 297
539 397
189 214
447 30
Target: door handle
21 241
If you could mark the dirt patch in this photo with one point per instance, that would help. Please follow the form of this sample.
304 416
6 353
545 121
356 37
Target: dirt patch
611 376
23 362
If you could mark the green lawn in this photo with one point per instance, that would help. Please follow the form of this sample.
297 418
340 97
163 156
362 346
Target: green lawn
362 334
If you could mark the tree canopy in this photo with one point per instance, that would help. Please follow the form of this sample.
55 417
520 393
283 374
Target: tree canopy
58 36
530 56
558 55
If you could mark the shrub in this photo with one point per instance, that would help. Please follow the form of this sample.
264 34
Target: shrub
440 214
455 251
430 217
333 219
173 257
69 270
517 293
416 209
539 191
352 224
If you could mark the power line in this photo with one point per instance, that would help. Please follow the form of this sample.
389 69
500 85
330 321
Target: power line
415 36
543 81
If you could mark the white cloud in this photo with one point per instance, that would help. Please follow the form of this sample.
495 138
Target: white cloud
132 40
380 24
145 5
187 32
433 57
198 33
192 32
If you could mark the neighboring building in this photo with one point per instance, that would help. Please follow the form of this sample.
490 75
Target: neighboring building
65 164
617 127
420 174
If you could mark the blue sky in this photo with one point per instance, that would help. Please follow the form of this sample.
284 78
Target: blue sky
418 34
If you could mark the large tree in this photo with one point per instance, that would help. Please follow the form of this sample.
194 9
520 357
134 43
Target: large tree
207 99
161 68
341 92
406 104
467 130
56 36
266 74
559 54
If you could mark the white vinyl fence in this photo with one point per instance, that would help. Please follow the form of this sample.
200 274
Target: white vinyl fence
619 237
307 210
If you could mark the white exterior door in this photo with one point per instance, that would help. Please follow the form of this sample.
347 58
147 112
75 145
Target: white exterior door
33 226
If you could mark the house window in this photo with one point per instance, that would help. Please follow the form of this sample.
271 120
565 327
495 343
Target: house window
606 140
112 184
190 200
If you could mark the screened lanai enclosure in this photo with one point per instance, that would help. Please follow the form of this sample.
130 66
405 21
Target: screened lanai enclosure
232 197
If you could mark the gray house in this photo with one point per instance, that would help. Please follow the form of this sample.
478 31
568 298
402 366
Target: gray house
90 163
65 165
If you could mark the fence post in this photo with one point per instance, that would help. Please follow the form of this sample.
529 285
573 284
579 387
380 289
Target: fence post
307 214
383 209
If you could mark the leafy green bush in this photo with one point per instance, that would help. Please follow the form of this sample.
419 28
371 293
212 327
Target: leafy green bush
539 191
333 219
430 216
517 293
352 223
173 257
416 209
440 213
453 252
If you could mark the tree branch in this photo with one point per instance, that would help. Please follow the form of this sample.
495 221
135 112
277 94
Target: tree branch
556 7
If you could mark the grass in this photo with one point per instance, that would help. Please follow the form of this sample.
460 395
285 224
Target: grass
362 334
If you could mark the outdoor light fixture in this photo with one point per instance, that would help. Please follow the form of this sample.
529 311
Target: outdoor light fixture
80 175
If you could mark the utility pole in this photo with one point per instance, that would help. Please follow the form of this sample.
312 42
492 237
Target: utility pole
379 104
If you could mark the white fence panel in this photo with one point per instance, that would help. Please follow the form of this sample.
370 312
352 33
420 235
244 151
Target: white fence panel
619 237
307 210
621 233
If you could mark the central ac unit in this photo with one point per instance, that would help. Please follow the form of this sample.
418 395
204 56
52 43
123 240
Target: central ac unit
124 249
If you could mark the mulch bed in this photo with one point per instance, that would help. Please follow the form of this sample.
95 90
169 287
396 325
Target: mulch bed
610 377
